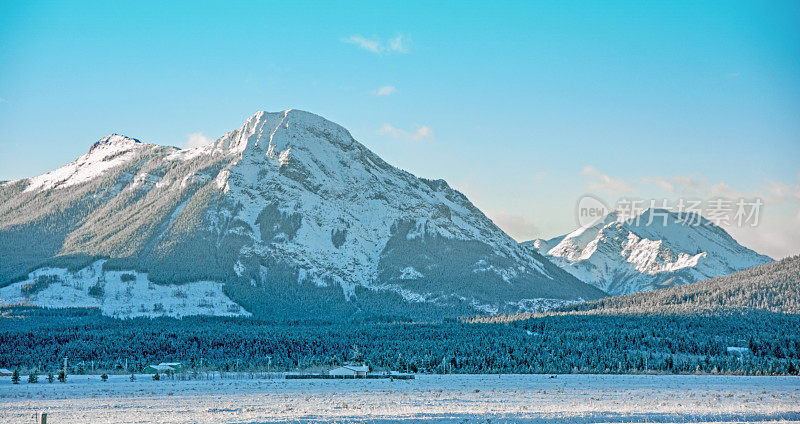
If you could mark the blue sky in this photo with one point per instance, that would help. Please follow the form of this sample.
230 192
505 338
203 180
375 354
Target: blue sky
524 106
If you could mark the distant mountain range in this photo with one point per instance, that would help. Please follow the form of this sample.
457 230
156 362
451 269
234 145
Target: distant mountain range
655 249
773 287
287 217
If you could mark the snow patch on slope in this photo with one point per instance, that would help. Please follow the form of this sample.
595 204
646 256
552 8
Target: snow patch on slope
124 294
409 273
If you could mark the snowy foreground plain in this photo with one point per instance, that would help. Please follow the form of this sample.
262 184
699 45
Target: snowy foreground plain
429 398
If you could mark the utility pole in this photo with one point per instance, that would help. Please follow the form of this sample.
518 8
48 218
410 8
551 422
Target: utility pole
65 365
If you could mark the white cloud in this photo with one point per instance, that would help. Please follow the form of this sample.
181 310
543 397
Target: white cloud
421 133
605 183
783 191
386 90
686 182
375 45
391 130
396 45
777 235
662 183
365 43
2 100
197 140
517 226
676 184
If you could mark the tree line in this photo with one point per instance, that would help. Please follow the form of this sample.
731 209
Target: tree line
34 338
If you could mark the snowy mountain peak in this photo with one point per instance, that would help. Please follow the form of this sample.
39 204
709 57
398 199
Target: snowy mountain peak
115 140
109 152
623 254
276 132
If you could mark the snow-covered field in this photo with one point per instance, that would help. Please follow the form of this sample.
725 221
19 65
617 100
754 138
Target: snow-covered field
447 398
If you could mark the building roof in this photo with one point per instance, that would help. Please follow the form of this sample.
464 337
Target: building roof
162 367
356 368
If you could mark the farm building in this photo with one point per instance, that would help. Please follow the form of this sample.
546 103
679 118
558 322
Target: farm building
740 351
164 367
178 366
5 372
350 370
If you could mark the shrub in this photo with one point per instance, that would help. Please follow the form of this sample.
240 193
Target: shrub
127 277
50 377
156 377
62 376
39 284
104 377
96 290
33 377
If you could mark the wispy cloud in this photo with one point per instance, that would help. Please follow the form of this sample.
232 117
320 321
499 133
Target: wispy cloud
662 183
396 45
421 133
686 182
517 226
386 90
782 190
376 45
605 183
365 43
2 100
197 140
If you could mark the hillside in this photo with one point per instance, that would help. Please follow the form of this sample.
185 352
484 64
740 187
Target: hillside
773 287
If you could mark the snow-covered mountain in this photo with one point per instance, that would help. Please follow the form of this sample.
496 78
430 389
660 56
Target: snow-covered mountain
655 249
289 214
